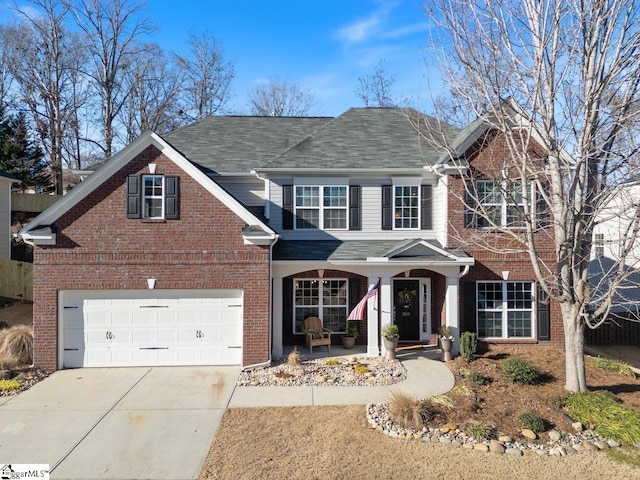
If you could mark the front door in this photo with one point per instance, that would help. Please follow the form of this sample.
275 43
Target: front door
406 305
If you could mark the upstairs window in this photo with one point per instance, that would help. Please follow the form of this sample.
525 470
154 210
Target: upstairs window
406 207
153 197
499 204
321 207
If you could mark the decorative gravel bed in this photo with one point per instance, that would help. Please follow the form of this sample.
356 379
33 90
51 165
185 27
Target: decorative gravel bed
27 377
558 444
352 371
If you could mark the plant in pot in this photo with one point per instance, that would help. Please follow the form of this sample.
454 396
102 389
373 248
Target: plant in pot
446 342
349 340
390 336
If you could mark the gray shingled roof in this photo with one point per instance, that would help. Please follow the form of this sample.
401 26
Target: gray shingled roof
369 138
237 144
7 175
350 250
359 138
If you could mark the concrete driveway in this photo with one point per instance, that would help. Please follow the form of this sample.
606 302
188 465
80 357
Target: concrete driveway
118 423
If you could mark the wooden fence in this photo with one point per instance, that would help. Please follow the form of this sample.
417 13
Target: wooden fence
16 280
620 332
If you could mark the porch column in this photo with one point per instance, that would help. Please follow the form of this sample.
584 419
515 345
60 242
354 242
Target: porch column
452 310
386 311
276 318
373 331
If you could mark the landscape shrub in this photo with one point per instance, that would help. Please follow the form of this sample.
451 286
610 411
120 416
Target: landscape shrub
613 366
408 412
479 430
9 385
477 378
294 358
468 345
361 369
518 370
557 401
532 421
17 345
332 362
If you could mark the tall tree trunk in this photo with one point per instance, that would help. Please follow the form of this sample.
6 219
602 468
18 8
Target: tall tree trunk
575 377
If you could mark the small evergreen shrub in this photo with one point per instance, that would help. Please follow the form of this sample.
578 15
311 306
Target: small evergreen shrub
477 378
479 430
518 370
8 386
557 401
361 369
332 362
532 421
468 345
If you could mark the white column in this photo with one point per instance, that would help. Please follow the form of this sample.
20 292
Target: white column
451 302
276 318
373 332
386 315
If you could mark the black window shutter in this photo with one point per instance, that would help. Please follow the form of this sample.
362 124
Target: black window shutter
133 196
470 217
542 306
287 207
470 306
355 211
542 209
287 306
354 293
387 208
171 198
426 205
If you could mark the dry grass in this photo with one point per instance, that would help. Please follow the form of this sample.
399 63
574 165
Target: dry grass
335 443
16 345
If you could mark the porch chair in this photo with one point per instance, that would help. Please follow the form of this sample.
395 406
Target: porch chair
316 334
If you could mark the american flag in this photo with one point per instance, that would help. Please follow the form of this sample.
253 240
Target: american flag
358 312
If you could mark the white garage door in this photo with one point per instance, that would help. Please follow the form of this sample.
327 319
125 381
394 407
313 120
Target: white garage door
151 327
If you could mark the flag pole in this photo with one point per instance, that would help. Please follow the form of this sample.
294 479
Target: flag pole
379 301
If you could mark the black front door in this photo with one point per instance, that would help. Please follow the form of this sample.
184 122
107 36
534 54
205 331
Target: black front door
406 305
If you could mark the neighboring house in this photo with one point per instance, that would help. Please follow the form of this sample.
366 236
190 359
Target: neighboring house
6 181
211 244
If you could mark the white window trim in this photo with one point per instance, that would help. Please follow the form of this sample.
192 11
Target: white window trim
321 208
505 310
504 203
320 305
145 197
419 206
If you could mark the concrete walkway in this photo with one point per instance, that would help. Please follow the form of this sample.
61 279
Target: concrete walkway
158 423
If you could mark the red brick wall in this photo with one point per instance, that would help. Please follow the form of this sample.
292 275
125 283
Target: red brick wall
99 248
490 250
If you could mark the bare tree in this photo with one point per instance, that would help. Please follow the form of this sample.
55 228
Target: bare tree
6 78
112 30
42 60
571 72
207 76
280 98
375 89
153 103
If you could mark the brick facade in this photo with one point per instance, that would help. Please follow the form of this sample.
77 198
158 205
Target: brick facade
495 252
99 248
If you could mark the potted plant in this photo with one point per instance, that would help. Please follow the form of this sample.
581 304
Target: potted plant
349 340
446 341
390 335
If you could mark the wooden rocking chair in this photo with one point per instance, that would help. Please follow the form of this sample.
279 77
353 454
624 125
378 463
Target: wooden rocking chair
315 334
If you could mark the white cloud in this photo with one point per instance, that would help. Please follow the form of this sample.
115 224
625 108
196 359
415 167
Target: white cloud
359 31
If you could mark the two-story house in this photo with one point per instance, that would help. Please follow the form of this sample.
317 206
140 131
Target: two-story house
213 243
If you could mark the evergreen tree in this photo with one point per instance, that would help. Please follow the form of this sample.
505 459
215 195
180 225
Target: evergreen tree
20 156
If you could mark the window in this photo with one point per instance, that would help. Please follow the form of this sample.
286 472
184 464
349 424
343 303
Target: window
321 207
505 309
599 245
153 196
406 207
501 204
323 298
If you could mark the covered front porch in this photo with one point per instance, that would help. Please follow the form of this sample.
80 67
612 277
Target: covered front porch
418 290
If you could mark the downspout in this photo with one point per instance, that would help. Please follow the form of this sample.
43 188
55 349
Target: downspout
464 272
268 362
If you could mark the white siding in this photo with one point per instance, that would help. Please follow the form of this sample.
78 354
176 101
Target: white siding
5 218
371 215
440 210
247 190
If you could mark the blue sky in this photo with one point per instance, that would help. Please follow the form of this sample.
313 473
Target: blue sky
324 46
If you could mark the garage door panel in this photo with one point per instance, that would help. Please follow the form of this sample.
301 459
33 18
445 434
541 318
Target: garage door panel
152 327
